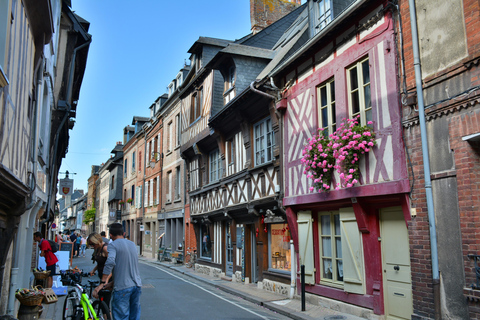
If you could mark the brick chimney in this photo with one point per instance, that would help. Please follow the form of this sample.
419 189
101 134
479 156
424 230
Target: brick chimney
265 12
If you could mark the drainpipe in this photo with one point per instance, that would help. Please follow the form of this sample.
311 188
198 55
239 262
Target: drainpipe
57 134
426 161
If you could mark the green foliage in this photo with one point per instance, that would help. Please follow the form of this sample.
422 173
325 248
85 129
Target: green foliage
89 216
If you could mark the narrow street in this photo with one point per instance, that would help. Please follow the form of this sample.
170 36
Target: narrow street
167 295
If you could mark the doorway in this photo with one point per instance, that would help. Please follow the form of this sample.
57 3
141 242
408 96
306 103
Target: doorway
254 260
229 250
397 279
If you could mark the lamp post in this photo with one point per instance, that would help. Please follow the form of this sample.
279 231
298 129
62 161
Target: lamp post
153 159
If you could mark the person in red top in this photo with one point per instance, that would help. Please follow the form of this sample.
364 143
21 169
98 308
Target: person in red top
46 252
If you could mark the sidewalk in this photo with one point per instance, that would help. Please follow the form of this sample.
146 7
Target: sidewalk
288 307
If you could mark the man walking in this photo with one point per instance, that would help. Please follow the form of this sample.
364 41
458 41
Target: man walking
46 252
122 254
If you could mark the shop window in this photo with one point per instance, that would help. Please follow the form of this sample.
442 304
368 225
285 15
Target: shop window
279 240
206 242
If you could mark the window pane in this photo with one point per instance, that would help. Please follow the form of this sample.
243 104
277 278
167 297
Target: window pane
325 221
327 247
365 72
324 117
368 101
327 269
338 247
355 103
336 219
323 96
280 247
334 115
353 79
332 91
340 270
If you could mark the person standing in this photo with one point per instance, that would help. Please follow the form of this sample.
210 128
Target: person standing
100 253
83 245
104 236
46 252
122 254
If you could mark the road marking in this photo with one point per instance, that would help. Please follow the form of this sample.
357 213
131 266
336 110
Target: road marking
213 294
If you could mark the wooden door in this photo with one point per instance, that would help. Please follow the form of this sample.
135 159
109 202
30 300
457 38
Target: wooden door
397 279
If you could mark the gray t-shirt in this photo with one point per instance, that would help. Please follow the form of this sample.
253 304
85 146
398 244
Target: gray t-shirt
122 254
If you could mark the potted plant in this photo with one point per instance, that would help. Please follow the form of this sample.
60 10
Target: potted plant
129 200
121 202
340 151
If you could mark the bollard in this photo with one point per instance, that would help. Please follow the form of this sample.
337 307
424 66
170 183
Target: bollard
302 279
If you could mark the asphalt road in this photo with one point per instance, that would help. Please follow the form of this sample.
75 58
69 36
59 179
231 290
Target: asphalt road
170 295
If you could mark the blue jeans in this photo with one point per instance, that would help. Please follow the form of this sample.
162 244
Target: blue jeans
126 304
82 249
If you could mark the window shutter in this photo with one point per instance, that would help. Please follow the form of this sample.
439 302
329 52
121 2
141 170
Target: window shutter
148 153
352 253
158 189
151 192
157 156
136 197
305 241
140 202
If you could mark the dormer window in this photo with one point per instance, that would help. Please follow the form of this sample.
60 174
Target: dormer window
171 88
198 61
179 80
229 85
324 13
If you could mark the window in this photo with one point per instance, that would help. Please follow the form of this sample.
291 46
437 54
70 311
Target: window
215 166
133 192
331 262
229 93
325 13
169 186
359 101
177 183
230 149
194 175
113 182
279 240
206 244
198 61
169 137
133 162
125 169
196 105
264 141
139 161
177 127
326 107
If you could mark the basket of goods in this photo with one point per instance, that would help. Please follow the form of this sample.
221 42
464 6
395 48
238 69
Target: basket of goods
30 297
41 274
49 295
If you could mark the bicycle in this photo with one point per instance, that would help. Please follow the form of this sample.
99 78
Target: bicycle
78 305
193 259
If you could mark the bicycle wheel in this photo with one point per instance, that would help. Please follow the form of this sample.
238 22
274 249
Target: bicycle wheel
70 306
102 310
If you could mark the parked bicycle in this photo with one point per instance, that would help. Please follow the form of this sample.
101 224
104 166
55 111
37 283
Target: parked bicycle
79 306
192 259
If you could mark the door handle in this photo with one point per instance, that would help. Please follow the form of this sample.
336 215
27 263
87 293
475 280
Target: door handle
396 268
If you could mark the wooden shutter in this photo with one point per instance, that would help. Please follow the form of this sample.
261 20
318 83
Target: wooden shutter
305 241
352 253
158 190
151 192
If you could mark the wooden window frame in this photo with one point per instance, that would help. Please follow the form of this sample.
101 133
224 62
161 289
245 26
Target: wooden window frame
333 236
364 110
261 140
326 102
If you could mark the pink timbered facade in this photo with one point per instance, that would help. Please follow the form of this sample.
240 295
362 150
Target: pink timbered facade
352 241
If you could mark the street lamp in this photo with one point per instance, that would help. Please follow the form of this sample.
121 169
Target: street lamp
153 159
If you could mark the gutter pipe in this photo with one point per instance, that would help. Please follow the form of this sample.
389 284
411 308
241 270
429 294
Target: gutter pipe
426 161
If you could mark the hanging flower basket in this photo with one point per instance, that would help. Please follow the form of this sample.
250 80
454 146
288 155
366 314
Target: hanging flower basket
129 200
121 202
341 151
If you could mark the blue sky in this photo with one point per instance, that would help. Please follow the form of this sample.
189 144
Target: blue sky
138 47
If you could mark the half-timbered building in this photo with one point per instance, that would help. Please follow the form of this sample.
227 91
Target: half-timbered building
233 167
338 63
43 52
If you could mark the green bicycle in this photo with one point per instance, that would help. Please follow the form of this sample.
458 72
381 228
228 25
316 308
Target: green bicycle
78 306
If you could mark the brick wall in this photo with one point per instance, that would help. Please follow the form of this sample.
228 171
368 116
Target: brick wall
265 12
